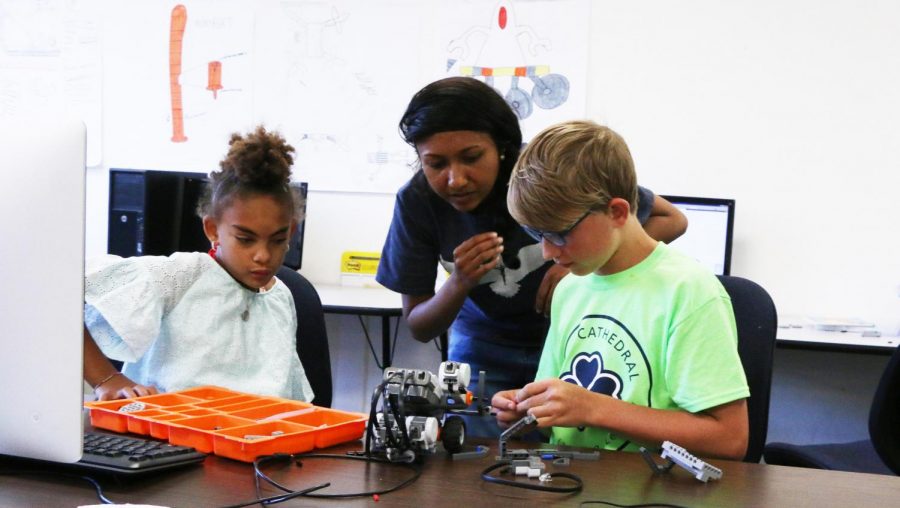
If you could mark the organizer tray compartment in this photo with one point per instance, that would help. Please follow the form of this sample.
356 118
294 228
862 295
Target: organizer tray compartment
230 424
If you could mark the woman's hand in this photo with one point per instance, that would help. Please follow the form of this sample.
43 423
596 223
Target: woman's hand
545 292
475 257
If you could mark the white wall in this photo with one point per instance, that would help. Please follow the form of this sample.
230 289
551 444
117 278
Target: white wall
789 107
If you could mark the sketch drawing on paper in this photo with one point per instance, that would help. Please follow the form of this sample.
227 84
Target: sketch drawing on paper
177 28
336 91
176 37
507 49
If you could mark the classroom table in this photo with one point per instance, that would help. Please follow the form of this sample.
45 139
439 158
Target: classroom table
369 301
364 301
807 337
618 477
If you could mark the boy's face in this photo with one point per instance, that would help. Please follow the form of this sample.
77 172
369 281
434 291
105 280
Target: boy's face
253 235
591 246
461 166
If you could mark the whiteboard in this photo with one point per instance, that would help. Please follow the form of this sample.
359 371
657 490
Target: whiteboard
50 62
333 77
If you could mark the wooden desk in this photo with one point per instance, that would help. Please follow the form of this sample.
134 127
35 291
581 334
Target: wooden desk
617 477
362 301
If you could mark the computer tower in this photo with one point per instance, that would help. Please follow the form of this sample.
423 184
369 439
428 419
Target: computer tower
154 212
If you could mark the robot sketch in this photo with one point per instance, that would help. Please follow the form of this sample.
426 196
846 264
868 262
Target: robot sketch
486 51
419 408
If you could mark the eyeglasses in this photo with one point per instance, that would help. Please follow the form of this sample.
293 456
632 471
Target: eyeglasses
557 238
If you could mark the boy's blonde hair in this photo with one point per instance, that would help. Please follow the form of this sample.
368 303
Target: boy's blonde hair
568 169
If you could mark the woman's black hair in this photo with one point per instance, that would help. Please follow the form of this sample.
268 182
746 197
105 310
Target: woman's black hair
467 104
464 104
257 164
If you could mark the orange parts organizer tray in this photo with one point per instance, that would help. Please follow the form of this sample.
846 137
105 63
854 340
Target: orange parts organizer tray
228 423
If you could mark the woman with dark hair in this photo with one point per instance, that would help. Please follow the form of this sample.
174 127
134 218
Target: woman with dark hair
453 212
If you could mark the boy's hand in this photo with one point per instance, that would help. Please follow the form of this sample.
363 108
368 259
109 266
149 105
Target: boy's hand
120 387
545 292
504 406
475 257
555 402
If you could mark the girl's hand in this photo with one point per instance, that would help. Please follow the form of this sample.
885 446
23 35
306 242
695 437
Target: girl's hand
545 292
475 257
120 387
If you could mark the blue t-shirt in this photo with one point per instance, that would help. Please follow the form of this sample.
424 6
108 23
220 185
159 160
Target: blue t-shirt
425 230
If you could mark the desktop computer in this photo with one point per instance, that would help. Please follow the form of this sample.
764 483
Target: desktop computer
42 219
710 231
42 311
154 213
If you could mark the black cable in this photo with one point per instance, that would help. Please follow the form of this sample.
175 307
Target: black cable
373 421
396 334
437 344
378 364
383 363
265 501
103 499
400 413
486 476
641 505
260 461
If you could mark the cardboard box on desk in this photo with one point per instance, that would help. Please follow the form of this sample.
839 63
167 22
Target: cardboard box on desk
228 423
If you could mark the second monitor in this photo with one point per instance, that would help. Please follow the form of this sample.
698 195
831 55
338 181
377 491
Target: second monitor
710 230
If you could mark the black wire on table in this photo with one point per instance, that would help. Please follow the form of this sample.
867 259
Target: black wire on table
260 461
265 501
486 476
641 505
103 499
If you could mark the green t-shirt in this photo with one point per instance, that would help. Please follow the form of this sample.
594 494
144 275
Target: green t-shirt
660 334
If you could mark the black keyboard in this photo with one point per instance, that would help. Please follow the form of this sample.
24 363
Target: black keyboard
132 455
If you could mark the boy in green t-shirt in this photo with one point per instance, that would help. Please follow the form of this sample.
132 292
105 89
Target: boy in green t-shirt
642 345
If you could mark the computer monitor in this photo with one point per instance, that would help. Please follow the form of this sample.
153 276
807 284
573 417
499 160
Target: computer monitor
710 229
42 218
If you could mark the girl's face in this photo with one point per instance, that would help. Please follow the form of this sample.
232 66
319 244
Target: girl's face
252 236
461 166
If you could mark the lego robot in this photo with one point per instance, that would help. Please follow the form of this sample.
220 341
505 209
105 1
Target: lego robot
413 409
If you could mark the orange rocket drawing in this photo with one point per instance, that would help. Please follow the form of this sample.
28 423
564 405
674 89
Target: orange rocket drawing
214 78
176 36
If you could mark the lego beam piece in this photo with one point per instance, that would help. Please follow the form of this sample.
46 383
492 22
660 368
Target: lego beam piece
700 469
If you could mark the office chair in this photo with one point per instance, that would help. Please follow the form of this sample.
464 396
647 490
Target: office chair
757 323
312 339
880 454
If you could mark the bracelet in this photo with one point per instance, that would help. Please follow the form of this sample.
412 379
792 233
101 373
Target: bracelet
107 378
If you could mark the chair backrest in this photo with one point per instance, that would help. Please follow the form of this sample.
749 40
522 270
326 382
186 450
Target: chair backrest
884 416
757 324
312 339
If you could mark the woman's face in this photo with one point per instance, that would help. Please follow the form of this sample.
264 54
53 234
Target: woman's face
461 166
